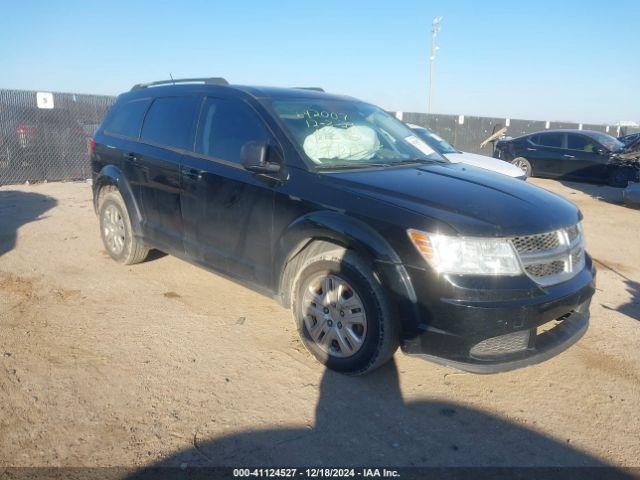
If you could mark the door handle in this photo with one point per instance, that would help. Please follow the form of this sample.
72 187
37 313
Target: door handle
532 149
192 173
569 156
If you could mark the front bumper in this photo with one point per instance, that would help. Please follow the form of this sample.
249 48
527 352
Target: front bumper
508 331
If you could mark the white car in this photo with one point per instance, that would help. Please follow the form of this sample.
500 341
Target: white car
456 156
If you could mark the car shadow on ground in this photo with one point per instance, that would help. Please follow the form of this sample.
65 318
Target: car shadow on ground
18 208
154 255
632 308
604 193
364 421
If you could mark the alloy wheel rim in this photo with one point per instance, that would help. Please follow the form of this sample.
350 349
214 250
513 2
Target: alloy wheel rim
334 315
113 229
522 166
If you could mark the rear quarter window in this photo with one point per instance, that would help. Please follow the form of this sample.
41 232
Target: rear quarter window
126 118
169 122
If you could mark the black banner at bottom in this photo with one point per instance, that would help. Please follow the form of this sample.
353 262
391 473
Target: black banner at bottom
308 473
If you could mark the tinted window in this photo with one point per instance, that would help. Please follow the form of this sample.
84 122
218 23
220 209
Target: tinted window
580 142
535 139
225 126
551 139
169 122
126 118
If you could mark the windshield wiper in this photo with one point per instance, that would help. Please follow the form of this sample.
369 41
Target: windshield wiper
411 160
348 166
407 161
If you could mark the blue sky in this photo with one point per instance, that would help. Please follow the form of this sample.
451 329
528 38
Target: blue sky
562 60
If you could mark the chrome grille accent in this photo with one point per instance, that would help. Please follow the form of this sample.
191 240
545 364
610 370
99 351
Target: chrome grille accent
535 243
545 269
573 232
552 257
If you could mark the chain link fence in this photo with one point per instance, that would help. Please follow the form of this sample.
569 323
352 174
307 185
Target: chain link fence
466 133
45 136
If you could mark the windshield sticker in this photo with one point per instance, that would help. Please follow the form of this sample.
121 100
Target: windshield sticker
324 118
419 144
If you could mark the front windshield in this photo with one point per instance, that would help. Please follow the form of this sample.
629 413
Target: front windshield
609 142
343 133
437 143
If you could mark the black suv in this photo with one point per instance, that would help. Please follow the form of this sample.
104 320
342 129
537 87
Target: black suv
341 213
570 154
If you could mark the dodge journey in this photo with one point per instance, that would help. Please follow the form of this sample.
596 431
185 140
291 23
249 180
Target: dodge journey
342 214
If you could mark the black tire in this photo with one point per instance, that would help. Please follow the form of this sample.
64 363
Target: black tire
620 176
133 250
382 335
523 164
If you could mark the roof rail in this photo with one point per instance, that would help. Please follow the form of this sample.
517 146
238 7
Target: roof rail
208 81
316 89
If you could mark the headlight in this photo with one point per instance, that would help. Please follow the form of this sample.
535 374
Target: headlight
467 255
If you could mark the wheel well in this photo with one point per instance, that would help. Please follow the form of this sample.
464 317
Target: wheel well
105 186
298 255
103 190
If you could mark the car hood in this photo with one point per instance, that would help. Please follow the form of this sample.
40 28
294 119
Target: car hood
488 163
469 200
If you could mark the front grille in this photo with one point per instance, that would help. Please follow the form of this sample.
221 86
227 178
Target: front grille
552 257
535 243
545 269
502 345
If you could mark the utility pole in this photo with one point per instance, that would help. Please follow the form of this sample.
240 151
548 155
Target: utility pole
435 28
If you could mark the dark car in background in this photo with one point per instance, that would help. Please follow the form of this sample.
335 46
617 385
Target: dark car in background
570 154
334 208
454 155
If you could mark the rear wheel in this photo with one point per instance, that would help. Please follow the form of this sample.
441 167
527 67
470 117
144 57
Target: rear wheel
342 313
115 228
523 164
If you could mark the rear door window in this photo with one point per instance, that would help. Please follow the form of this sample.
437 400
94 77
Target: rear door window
551 139
169 122
226 126
126 119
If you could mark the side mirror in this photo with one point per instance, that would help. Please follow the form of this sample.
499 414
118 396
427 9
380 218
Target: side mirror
254 158
600 151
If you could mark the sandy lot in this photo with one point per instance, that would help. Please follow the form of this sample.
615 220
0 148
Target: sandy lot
165 363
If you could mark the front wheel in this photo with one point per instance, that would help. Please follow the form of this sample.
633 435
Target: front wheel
620 176
523 164
342 313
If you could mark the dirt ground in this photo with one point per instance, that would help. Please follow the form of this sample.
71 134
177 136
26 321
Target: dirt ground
165 363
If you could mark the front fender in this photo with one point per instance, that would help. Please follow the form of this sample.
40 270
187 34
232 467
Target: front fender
112 175
349 232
